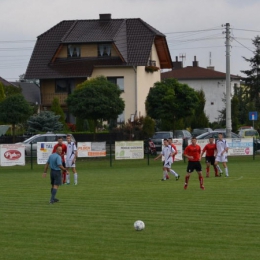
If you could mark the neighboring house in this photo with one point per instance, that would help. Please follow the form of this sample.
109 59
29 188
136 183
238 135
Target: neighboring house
123 50
30 91
212 82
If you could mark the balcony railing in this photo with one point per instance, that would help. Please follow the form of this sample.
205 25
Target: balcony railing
47 99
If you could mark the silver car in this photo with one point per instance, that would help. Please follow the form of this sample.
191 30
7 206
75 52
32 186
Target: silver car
31 143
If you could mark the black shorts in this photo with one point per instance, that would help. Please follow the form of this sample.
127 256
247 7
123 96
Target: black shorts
194 166
55 177
210 159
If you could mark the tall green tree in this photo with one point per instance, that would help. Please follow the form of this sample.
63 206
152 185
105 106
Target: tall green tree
57 110
2 92
199 119
96 99
12 90
235 113
13 110
252 79
170 101
43 122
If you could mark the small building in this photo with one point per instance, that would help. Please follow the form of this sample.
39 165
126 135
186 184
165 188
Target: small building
212 82
129 52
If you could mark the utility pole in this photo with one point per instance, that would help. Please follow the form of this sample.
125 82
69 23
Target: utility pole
228 85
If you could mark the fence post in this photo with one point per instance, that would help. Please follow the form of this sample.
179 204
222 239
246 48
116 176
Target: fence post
110 151
254 148
31 156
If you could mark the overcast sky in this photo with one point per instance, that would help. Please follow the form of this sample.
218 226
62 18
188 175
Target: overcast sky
193 27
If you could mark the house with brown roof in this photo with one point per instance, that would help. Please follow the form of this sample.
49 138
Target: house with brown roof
212 82
129 52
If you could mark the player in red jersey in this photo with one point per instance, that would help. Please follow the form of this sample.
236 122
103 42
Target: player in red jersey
193 153
64 151
210 150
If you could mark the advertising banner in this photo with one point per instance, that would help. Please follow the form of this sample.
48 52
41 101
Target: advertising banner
129 150
91 149
12 154
178 143
44 150
237 146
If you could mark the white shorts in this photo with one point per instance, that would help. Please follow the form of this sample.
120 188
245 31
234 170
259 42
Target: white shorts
221 158
168 163
69 164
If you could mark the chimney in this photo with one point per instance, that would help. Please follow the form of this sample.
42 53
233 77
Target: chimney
177 64
195 63
105 17
211 68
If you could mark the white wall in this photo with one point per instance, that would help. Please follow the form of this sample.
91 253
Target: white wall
214 93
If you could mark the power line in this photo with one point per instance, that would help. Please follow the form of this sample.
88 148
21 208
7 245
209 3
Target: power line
246 30
241 44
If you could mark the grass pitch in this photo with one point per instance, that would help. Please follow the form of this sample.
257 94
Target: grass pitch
94 220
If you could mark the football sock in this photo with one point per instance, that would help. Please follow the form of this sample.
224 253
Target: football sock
187 179
226 170
64 174
218 168
51 190
201 180
164 175
173 172
53 194
207 169
75 178
68 178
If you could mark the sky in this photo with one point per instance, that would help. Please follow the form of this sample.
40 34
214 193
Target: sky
192 27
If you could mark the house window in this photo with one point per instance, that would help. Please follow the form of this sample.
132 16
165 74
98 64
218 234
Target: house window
73 51
104 50
118 81
61 86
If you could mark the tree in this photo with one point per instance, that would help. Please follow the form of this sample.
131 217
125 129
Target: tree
13 110
43 122
199 119
252 79
148 127
57 110
235 112
12 90
2 92
96 99
170 101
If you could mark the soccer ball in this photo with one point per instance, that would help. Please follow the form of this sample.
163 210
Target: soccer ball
139 225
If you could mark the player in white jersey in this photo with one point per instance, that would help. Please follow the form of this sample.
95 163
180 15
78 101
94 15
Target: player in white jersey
167 152
221 156
71 156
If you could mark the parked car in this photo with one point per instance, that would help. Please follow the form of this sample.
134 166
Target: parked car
158 136
214 134
248 133
184 134
245 127
48 137
198 131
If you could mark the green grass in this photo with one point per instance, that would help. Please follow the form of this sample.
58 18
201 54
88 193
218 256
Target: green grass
94 220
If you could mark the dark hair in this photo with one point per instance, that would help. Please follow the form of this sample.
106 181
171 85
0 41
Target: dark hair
59 137
165 139
68 135
194 137
169 138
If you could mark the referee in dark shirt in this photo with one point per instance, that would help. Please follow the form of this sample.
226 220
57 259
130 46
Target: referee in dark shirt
55 164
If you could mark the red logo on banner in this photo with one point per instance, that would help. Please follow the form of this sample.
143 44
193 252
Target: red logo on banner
247 150
12 155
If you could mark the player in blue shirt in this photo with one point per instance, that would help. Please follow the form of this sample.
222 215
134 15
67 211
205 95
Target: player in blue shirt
55 163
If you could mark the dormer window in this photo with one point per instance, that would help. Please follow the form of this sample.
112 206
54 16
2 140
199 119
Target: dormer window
73 50
104 50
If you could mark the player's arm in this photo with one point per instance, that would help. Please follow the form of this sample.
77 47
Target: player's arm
45 170
75 153
159 156
186 154
203 151
175 151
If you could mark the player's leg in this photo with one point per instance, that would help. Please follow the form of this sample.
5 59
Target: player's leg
190 169
213 164
177 176
75 175
217 166
226 168
199 171
164 174
56 180
207 167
